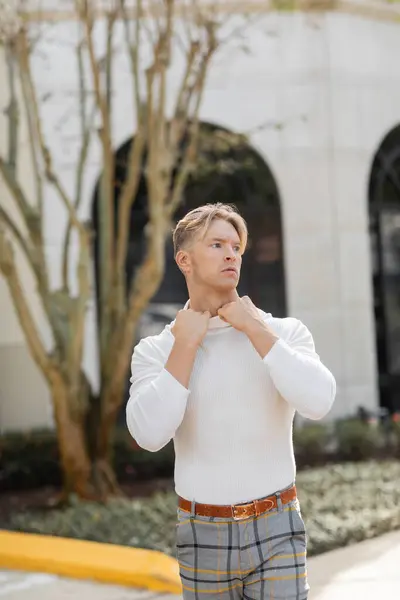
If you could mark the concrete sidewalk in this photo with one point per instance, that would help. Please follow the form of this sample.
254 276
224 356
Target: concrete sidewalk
366 571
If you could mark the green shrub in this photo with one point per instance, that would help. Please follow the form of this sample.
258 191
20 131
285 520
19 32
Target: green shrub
311 444
133 463
341 504
357 440
148 523
30 460
394 436
347 503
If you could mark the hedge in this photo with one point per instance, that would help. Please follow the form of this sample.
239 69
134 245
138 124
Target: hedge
341 504
30 460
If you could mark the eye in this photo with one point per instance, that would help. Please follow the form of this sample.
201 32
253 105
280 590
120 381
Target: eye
237 248
216 245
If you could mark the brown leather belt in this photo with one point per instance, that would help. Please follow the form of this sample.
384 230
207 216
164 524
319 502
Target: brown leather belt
239 511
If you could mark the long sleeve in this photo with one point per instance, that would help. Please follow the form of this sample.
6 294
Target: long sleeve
299 375
157 401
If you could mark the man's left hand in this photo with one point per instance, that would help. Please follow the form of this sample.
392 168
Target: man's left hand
241 314
245 317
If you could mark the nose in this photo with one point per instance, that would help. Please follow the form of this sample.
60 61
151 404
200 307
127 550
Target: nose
230 255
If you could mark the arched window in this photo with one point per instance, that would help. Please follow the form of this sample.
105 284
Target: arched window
238 175
384 219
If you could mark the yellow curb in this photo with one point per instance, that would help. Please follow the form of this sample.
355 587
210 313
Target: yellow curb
107 563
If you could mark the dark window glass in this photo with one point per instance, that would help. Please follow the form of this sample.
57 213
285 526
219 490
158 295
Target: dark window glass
384 224
241 178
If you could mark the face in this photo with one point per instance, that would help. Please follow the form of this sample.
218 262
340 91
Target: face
214 260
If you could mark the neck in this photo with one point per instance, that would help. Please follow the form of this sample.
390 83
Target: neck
211 300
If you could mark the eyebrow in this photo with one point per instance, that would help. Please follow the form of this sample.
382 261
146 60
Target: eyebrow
217 239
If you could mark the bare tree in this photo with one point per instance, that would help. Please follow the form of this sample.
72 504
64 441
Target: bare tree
155 153
163 151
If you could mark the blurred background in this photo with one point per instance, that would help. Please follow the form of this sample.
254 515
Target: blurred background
119 117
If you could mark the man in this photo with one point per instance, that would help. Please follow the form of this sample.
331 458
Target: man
224 381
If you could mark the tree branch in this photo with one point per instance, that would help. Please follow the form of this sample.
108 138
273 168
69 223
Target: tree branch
27 91
106 189
86 130
144 285
133 51
28 212
125 203
111 19
8 169
189 120
160 165
36 346
34 257
57 307
32 111
161 160
155 134
12 110
146 122
23 243
181 100
75 347
32 243
22 50
31 99
163 61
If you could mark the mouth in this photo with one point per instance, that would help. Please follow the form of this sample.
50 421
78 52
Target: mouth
230 270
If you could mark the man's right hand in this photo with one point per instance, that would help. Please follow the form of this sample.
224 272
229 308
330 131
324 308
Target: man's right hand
190 327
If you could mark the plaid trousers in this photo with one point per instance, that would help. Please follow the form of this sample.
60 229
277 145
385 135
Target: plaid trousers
254 558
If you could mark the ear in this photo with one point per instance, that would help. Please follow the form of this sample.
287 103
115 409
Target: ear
183 261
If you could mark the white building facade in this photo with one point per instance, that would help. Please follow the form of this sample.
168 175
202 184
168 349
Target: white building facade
331 82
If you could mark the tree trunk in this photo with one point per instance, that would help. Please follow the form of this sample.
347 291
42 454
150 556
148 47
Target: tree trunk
87 474
111 405
75 460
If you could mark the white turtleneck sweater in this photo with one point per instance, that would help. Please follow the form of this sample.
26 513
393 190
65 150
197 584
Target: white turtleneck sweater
232 429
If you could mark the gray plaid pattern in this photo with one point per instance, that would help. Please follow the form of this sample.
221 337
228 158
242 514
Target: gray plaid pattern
255 558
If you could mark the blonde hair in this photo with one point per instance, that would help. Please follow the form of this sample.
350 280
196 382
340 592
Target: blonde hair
198 220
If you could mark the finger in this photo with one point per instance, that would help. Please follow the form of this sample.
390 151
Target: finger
227 306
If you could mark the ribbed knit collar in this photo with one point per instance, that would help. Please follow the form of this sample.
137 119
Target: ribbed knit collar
214 322
217 322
